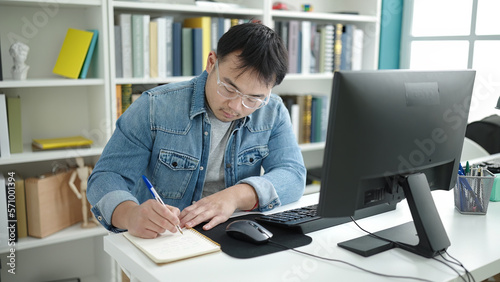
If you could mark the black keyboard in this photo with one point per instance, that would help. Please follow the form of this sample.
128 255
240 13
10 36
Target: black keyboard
306 219
303 220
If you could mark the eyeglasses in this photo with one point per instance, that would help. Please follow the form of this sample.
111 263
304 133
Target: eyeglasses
229 92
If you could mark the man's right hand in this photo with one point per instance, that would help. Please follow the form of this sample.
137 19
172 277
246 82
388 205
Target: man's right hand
146 220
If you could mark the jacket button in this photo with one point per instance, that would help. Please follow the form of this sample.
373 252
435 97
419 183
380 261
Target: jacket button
201 168
251 160
174 164
270 206
228 165
99 218
206 133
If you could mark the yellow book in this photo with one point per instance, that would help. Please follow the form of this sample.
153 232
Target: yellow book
169 247
63 142
205 24
73 52
153 49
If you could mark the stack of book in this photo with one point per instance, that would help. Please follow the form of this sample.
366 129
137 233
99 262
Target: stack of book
61 143
76 53
159 47
321 48
309 116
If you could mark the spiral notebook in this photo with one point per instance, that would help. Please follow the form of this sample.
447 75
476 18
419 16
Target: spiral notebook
169 247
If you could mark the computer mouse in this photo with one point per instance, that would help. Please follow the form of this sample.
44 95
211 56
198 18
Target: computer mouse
250 231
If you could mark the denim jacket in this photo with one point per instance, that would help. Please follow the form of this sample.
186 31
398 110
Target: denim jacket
165 135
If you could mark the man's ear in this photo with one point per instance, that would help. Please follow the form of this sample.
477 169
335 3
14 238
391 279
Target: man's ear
211 59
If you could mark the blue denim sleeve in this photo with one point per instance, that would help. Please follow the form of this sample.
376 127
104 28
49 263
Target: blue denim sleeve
123 160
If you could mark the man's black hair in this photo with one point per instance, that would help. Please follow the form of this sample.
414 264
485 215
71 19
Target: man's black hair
261 49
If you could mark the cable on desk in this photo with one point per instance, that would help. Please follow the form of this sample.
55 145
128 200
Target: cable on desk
350 264
456 261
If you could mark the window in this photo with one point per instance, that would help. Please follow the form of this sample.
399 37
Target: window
456 34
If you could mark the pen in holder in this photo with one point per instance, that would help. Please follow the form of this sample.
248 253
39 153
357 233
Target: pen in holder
472 193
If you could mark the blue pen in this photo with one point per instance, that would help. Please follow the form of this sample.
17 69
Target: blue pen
156 196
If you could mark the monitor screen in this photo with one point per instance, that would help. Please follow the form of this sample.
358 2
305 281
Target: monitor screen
394 134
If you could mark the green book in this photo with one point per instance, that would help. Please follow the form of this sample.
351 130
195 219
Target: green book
187 51
15 126
126 96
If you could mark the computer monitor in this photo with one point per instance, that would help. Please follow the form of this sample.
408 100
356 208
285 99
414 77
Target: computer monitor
394 134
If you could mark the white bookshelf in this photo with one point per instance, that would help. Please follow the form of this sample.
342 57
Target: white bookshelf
53 106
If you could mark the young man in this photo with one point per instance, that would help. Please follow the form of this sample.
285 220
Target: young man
202 144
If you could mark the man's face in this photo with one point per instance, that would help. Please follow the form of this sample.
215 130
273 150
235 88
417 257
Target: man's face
245 83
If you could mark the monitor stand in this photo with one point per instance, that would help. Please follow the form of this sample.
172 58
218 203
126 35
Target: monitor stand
425 235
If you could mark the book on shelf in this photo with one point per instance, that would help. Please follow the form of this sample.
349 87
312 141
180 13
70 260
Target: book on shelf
137 46
4 128
337 46
4 235
177 49
293 46
73 53
118 51
327 34
125 23
315 45
197 51
153 49
281 27
204 23
306 47
15 125
61 143
169 46
187 51
145 43
214 33
346 55
16 206
161 47
357 49
21 216
118 93
126 96
170 247
88 58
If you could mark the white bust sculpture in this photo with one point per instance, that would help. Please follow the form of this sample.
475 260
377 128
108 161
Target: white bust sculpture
19 52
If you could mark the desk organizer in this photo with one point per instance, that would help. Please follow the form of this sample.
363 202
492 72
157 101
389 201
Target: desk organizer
472 193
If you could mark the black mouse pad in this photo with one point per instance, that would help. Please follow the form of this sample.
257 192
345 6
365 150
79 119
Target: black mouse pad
242 249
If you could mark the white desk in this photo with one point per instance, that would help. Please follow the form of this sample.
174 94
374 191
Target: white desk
475 241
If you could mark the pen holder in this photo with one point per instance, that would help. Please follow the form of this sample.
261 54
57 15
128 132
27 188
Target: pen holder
495 191
472 193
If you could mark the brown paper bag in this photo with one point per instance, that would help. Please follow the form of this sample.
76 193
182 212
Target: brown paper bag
51 204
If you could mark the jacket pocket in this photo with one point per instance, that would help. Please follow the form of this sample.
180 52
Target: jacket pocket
253 156
173 173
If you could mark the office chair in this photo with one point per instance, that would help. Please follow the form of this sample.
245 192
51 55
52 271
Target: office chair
486 133
472 150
